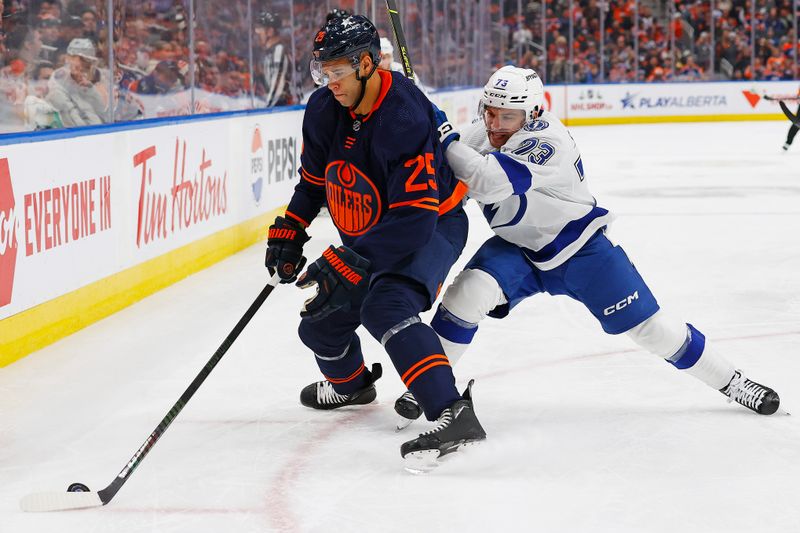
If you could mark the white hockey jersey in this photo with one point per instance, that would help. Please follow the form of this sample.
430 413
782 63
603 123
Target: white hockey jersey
533 190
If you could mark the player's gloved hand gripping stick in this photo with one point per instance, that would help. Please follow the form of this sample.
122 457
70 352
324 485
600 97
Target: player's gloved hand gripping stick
285 240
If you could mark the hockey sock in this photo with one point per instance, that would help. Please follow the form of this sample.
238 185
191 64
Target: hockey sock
425 370
454 334
345 371
699 361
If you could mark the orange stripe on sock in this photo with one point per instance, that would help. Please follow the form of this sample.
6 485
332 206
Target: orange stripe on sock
351 377
422 362
423 370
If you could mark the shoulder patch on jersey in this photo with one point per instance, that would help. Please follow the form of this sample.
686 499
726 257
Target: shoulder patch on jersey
536 125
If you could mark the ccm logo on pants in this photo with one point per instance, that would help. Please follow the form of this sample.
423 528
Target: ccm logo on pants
622 304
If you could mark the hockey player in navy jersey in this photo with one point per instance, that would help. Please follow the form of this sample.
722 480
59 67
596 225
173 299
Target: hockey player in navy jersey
371 154
525 170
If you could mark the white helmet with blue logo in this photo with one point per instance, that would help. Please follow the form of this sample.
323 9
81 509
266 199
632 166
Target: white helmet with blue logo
515 88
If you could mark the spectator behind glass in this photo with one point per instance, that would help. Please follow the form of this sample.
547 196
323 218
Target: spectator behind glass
71 89
273 76
164 79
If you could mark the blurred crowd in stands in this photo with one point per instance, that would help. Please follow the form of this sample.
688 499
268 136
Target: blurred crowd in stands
667 41
58 70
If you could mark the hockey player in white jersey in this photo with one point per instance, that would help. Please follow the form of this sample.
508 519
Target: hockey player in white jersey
525 170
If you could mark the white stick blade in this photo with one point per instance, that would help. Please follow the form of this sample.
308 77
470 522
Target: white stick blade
59 501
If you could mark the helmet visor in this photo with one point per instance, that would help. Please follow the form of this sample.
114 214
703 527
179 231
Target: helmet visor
327 72
501 120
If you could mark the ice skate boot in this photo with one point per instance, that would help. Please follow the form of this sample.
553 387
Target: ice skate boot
457 426
409 410
752 395
786 147
320 395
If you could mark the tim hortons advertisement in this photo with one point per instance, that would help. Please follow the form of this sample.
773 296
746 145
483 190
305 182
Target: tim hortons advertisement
93 206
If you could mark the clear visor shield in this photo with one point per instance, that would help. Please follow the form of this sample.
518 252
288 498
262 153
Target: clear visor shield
499 120
324 73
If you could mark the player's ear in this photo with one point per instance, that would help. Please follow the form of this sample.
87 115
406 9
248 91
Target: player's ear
366 62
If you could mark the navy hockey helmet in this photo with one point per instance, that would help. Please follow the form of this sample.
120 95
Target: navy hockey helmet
347 37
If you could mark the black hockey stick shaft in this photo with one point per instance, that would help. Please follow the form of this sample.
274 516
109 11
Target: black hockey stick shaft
399 37
108 493
791 116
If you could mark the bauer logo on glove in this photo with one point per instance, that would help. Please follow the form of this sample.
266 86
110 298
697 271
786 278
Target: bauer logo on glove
340 275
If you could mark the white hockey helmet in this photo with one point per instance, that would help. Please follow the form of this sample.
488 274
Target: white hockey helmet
514 88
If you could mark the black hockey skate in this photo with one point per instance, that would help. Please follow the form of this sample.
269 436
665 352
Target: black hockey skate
320 395
409 410
457 426
752 395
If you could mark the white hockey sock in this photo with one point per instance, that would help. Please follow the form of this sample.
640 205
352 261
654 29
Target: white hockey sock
453 350
712 369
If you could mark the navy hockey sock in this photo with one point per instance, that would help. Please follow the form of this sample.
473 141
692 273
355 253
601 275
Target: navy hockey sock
419 358
345 371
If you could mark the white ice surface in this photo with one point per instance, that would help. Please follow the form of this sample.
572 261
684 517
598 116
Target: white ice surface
586 433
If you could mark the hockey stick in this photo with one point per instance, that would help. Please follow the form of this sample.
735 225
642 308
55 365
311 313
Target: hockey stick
60 501
791 116
399 37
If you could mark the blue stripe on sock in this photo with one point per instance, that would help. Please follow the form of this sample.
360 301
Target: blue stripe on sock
692 350
452 328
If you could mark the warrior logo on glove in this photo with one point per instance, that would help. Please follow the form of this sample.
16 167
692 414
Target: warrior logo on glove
341 277
285 241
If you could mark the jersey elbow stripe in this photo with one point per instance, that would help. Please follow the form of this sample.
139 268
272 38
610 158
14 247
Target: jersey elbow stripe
351 377
311 178
519 175
423 366
297 218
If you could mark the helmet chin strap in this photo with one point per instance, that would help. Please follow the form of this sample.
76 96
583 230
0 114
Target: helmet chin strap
363 87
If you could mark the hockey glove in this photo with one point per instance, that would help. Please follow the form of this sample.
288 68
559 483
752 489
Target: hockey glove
341 278
447 132
285 242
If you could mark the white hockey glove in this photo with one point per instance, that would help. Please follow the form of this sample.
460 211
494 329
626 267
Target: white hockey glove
447 132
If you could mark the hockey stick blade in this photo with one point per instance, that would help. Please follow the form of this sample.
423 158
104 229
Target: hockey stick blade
40 502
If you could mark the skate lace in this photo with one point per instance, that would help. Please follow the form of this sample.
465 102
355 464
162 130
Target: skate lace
745 392
326 394
444 420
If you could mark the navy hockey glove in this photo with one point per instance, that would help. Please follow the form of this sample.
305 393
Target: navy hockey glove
341 278
285 242
447 132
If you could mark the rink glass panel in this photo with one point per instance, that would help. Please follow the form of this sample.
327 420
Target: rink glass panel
218 64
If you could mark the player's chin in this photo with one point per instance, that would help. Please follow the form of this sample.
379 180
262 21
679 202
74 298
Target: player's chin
497 140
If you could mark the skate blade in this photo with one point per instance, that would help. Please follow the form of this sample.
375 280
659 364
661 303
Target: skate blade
421 462
403 423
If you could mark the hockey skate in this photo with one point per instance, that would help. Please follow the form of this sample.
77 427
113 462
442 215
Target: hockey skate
457 426
409 410
320 395
752 395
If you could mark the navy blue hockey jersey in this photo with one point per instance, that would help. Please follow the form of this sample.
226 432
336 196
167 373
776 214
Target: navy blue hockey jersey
383 176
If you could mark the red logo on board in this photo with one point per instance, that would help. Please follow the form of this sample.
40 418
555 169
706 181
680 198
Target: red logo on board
353 200
8 234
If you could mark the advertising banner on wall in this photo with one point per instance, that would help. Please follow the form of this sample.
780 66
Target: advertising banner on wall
673 101
74 211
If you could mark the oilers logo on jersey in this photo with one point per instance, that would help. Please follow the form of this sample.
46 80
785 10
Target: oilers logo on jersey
353 200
